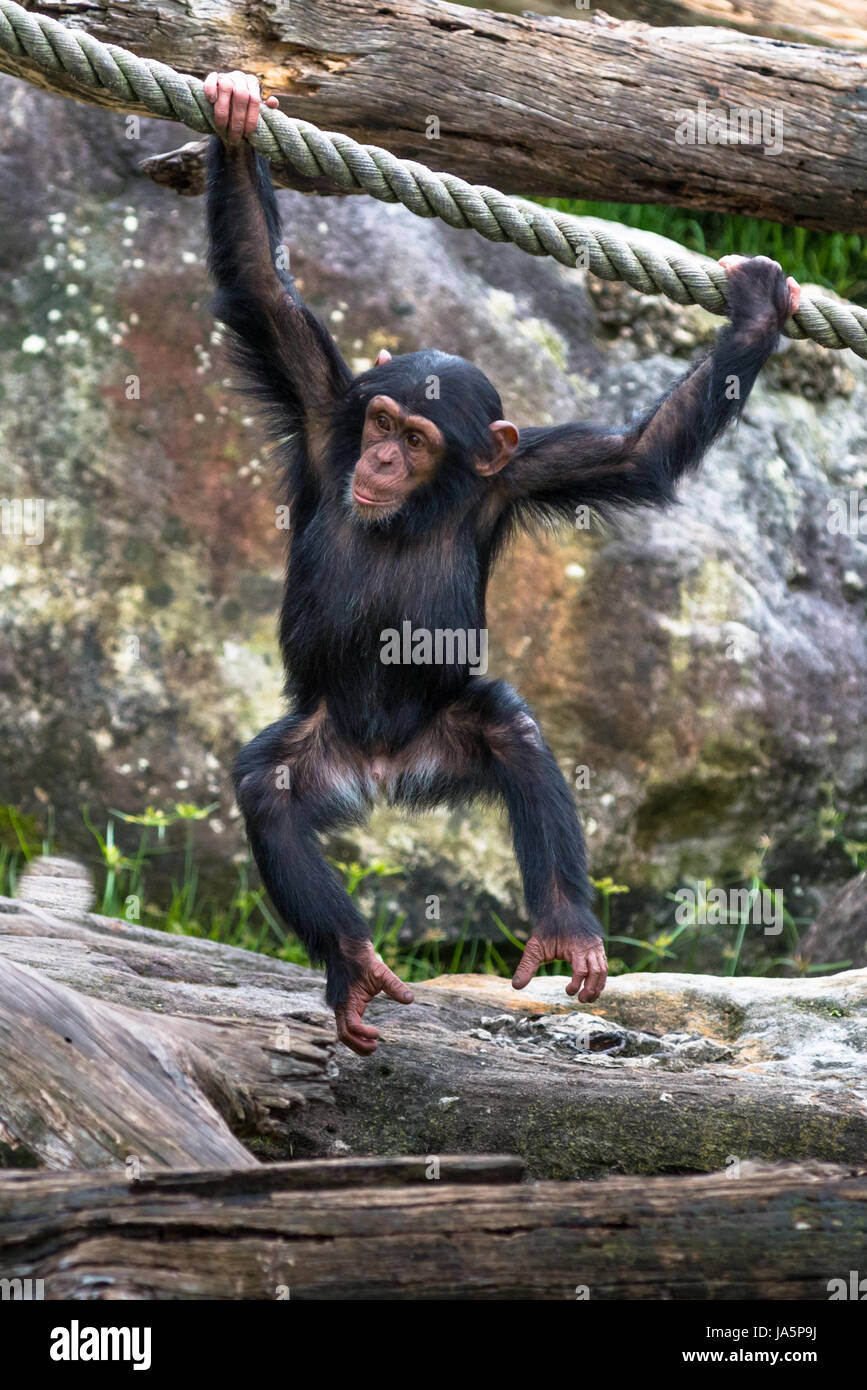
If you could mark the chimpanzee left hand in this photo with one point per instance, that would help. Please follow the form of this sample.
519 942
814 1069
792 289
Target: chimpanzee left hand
757 285
236 99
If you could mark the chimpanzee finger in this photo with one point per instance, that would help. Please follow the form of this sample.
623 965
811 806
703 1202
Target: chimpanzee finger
240 99
577 980
350 1015
589 973
392 986
528 964
794 295
223 102
578 962
253 106
358 1036
357 1045
597 973
210 85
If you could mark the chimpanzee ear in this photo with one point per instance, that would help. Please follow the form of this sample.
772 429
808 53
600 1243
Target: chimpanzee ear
504 442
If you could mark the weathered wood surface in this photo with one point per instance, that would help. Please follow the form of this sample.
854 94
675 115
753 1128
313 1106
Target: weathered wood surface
771 1233
443 1081
134 1077
535 105
837 23
436 1085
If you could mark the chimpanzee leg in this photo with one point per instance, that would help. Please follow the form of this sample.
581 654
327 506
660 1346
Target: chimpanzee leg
487 743
546 831
291 786
549 847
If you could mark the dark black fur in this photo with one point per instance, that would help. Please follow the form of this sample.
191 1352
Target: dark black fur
347 580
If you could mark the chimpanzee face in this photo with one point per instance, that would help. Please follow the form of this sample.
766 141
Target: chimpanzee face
426 417
400 451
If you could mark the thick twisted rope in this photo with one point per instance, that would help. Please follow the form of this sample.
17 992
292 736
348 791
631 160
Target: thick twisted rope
609 252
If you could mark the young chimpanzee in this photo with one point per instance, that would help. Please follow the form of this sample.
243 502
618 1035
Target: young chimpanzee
404 483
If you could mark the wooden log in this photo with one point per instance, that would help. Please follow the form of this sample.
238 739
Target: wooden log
835 23
532 105
440 1083
87 1083
770 1233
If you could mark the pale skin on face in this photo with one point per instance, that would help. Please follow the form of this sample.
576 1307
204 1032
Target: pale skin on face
399 451
386 420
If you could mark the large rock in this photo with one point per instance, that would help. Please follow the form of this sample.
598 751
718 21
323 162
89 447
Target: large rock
706 669
839 933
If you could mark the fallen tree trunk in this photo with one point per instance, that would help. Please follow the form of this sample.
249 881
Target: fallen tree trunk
535 106
235 1048
452 1077
277 1232
836 23
85 1083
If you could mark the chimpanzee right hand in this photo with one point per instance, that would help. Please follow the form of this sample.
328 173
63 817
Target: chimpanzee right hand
375 977
236 99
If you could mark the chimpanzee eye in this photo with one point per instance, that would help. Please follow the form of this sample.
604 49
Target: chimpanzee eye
382 421
414 441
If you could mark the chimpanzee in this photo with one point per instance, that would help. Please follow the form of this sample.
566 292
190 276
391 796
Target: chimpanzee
404 483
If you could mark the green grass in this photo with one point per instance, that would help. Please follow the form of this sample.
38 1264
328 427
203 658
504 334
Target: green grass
244 918
837 260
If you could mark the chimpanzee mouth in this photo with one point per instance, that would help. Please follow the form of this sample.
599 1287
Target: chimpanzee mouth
370 501
373 510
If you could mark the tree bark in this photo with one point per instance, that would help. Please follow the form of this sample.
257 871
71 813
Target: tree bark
85 1083
441 1084
835 23
275 1232
536 106
156 1048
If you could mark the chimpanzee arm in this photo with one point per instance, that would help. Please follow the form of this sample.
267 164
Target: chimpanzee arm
555 469
285 353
